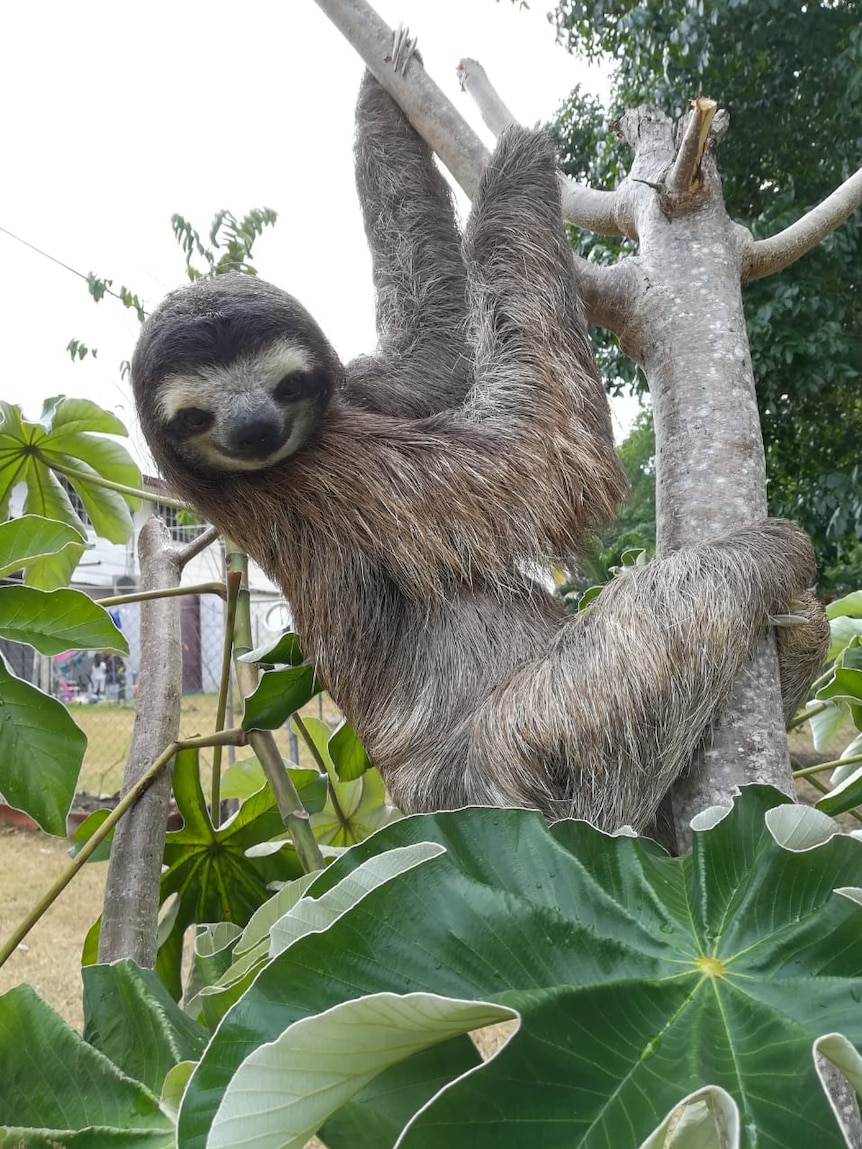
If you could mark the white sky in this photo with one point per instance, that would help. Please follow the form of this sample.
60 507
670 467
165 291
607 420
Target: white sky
115 116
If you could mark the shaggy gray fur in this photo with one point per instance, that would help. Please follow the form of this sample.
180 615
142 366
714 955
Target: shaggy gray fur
474 443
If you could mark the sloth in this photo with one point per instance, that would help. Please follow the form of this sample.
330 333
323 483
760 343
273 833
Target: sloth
401 502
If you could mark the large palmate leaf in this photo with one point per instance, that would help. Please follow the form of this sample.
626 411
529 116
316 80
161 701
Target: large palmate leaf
637 980
356 803
41 751
57 1090
207 868
67 437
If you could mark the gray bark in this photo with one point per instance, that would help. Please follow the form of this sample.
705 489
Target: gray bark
688 332
131 906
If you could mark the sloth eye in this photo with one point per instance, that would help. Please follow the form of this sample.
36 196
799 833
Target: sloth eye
292 386
191 421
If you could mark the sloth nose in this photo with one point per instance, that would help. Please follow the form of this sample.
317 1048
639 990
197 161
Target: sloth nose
256 436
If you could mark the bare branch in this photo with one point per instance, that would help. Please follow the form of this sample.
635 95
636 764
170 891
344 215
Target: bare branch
196 546
445 130
587 208
474 81
685 175
767 256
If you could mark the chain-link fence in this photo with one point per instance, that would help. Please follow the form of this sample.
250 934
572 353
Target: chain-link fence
101 689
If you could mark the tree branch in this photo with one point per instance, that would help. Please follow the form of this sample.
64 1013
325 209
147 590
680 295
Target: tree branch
767 256
430 112
586 208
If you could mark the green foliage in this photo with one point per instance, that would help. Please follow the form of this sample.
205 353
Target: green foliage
636 979
207 870
58 620
68 439
32 537
41 751
57 1089
790 74
356 797
634 528
131 1018
79 350
230 240
41 748
837 697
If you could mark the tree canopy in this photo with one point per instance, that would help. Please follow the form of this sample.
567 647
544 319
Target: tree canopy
790 74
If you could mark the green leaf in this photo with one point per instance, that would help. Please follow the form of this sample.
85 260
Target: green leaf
348 754
843 797
55 1089
279 694
107 510
340 1051
85 832
33 537
131 1018
285 649
313 915
850 604
63 438
41 751
57 620
359 807
209 869
826 724
637 978
62 415
843 631
845 686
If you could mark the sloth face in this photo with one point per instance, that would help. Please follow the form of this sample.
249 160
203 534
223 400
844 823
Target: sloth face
231 374
247 414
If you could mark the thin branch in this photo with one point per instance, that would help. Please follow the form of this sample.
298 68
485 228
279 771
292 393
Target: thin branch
685 175
236 738
109 485
167 592
587 208
809 771
768 256
474 81
192 549
233 579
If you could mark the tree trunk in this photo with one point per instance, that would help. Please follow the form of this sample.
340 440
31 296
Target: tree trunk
687 330
131 907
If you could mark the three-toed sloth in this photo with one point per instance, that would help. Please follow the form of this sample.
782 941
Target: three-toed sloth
400 501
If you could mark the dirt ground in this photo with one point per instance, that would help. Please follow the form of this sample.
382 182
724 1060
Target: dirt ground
49 959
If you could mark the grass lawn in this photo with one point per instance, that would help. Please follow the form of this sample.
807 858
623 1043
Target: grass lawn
108 726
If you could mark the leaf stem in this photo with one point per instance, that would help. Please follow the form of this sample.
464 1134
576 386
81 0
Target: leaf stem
305 734
293 813
233 581
810 771
169 592
121 488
